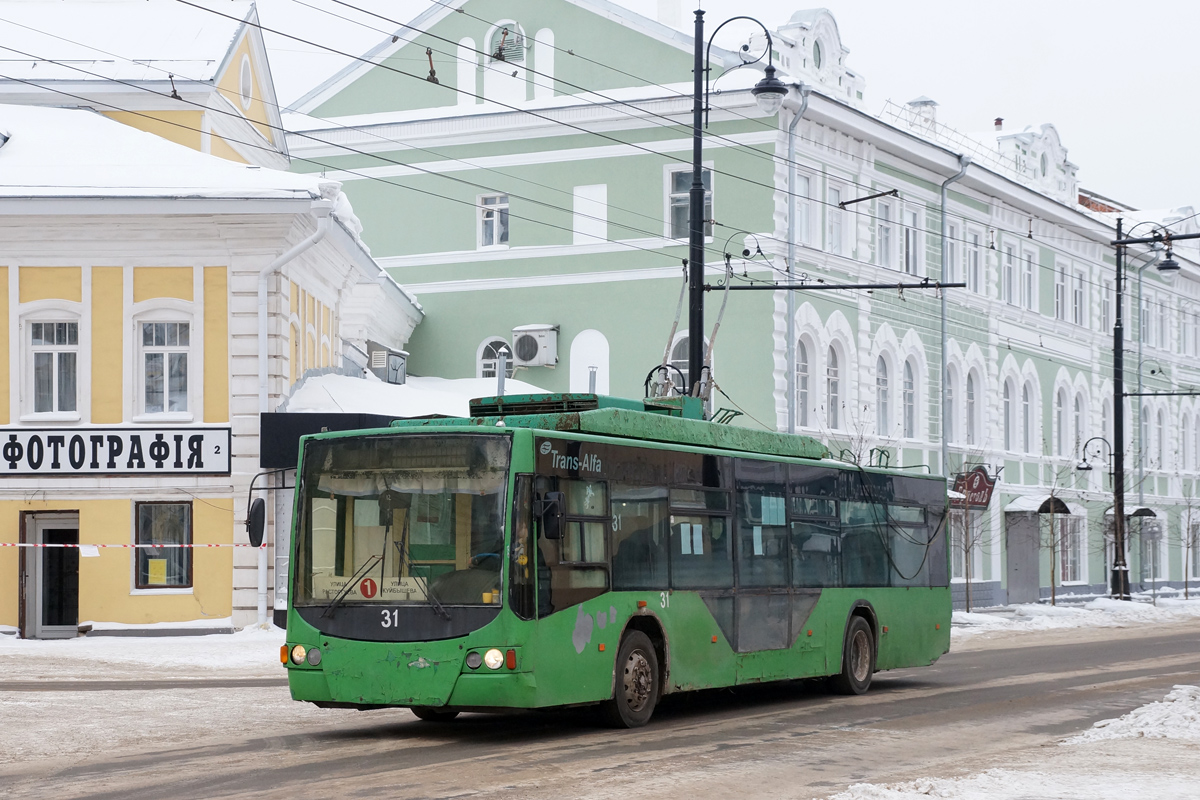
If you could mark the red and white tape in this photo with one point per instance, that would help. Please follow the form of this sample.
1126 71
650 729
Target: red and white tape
153 546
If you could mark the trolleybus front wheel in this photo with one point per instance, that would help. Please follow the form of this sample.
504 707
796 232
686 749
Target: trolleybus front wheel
858 659
636 690
429 714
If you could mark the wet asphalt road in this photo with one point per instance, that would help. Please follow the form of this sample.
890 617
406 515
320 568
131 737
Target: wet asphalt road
973 709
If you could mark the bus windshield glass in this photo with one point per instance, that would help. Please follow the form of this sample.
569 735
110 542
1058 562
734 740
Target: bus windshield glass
402 520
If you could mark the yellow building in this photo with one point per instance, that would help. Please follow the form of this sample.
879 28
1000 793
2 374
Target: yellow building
197 76
130 376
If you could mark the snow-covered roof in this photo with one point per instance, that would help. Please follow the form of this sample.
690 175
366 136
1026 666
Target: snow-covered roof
56 152
419 397
156 35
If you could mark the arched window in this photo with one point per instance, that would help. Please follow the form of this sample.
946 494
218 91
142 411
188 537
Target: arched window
1060 422
909 400
488 359
1144 433
832 390
972 412
508 44
1078 427
882 412
1160 436
1008 416
679 360
1026 419
951 380
1185 446
801 384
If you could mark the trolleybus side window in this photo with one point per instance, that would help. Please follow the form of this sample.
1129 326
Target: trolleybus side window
701 550
578 562
816 544
640 531
523 562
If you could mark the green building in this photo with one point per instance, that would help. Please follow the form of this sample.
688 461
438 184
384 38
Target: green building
522 167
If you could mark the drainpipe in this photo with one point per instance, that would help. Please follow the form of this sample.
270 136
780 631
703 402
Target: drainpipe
321 209
805 91
964 161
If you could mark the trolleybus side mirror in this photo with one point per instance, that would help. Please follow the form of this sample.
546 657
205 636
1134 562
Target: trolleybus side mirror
256 521
549 508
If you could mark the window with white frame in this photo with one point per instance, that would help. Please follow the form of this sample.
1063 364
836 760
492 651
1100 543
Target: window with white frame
909 401
833 394
1028 298
912 243
54 366
803 208
885 241
1144 434
1060 293
1078 301
1106 308
952 250
951 398
679 202
972 409
1070 549
493 220
1181 344
1060 423
163 364
974 278
1080 434
801 384
508 45
1160 440
1008 281
1146 328
834 221
882 412
1185 444
1164 317
1008 416
487 362
1027 418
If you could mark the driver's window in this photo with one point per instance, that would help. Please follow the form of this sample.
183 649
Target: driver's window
578 562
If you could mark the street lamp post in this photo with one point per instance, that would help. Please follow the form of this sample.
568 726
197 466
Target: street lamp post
768 93
1168 267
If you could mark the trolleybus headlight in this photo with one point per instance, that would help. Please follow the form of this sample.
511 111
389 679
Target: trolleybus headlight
474 660
298 653
493 658
314 657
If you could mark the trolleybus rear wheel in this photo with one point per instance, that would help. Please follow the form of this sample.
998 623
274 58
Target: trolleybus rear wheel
430 714
636 691
858 659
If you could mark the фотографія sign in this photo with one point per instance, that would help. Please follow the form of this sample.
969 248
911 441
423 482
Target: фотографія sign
115 451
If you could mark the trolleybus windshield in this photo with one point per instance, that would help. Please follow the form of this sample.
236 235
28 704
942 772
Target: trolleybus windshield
402 520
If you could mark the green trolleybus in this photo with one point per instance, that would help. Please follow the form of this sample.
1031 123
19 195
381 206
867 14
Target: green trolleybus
556 550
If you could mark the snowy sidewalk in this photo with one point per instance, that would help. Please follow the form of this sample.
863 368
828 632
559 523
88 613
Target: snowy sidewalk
1153 751
1099 613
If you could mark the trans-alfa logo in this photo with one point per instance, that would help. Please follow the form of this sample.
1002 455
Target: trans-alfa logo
579 463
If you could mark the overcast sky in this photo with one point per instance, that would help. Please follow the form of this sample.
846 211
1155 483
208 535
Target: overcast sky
1118 80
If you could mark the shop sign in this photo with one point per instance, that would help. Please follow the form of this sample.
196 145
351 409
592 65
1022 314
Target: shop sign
115 451
976 486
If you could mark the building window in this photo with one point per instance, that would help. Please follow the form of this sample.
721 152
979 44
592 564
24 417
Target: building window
1161 440
803 208
974 249
909 401
1026 419
1070 549
165 347
1060 293
1008 283
1185 446
1028 300
1151 536
488 360
951 396
1079 434
1078 309
885 243
1060 423
493 220
164 524
679 202
972 413
952 263
912 244
1146 332
1008 416
882 413
1106 306
55 350
507 44
801 384
832 389
1164 316
834 222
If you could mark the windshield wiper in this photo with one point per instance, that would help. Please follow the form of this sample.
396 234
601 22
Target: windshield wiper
406 561
363 570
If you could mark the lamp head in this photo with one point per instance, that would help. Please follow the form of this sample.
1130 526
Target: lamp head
1083 466
769 92
1168 268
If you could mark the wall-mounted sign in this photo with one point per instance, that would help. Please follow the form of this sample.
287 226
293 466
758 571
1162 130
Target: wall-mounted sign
115 451
976 486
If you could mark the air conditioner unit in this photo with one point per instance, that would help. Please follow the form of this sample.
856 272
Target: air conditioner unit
535 345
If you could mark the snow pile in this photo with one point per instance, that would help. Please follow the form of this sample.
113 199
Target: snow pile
1099 613
253 649
1009 784
418 397
1177 716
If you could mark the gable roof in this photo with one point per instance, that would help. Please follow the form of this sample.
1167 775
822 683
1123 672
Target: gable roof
440 9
